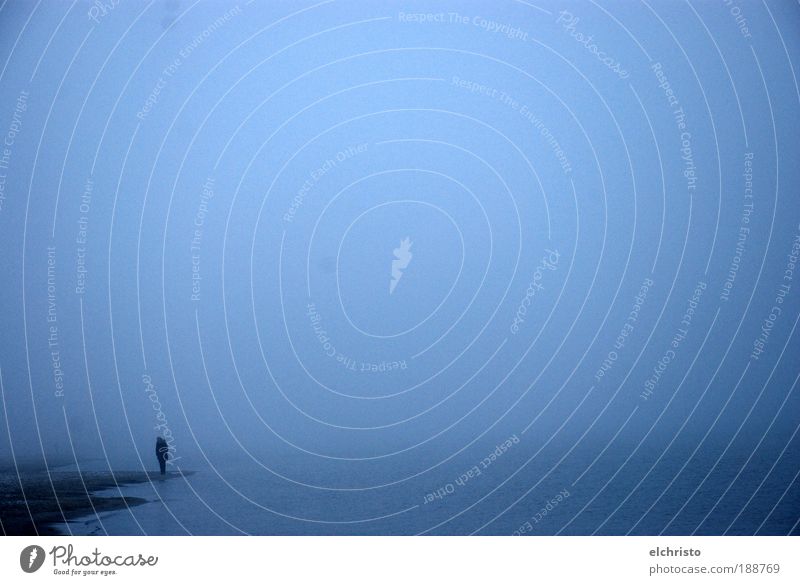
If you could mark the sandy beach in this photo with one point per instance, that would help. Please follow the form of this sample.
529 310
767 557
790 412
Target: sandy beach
35 502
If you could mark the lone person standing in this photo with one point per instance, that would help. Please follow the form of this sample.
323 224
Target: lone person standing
162 452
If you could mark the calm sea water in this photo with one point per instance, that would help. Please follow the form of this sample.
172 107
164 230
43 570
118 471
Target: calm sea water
242 498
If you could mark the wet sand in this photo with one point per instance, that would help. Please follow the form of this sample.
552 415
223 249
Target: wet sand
32 503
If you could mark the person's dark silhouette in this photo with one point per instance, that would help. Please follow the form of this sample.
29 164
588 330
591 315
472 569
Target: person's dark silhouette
162 452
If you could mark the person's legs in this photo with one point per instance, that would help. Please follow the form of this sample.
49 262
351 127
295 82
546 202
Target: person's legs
163 464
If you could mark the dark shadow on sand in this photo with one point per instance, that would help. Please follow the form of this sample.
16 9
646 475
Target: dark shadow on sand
31 505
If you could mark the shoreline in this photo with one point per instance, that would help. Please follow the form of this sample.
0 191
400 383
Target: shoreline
35 503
